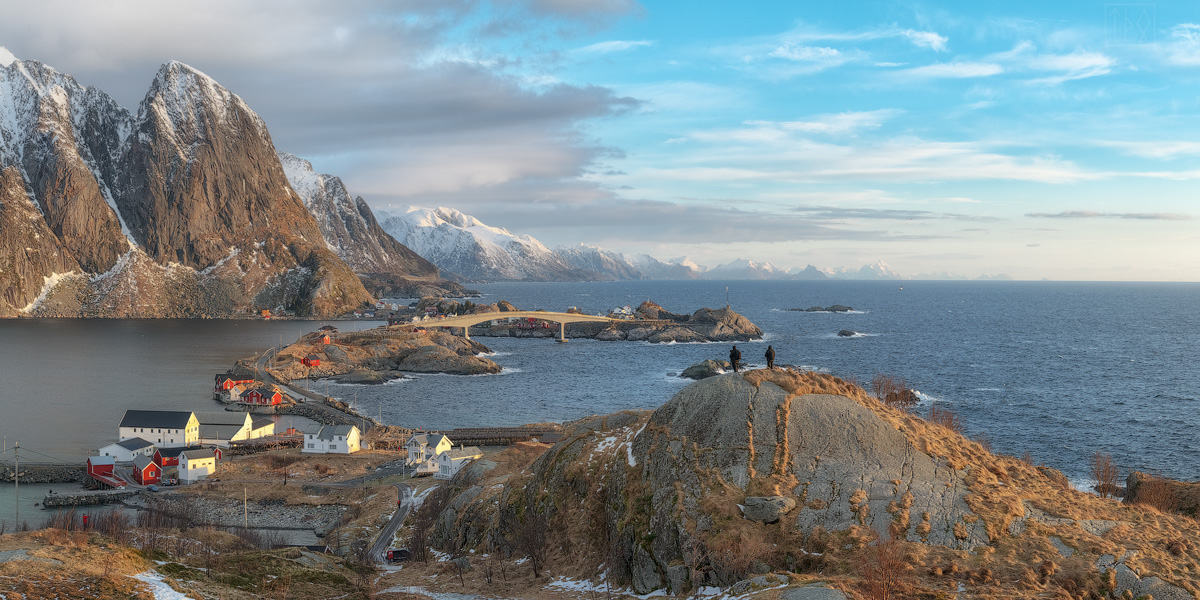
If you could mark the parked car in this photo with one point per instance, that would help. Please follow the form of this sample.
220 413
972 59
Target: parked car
152 487
398 554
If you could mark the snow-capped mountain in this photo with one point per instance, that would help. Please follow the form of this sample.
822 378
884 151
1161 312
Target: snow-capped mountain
677 268
348 225
740 269
180 210
609 264
876 271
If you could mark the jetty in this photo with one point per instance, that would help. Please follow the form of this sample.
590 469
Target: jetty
503 436
87 498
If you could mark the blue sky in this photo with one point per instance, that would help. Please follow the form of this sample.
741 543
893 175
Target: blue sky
1040 140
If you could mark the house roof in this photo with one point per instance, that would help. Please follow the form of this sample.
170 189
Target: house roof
166 419
328 328
313 357
141 462
461 453
102 460
219 432
222 417
173 452
132 444
198 454
260 422
327 432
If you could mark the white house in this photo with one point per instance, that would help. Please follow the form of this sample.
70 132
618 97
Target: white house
261 427
195 465
127 450
451 461
424 447
332 439
163 428
221 427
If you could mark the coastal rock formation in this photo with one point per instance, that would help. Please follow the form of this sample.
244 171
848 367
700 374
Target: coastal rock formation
380 355
686 496
836 308
650 323
847 333
706 368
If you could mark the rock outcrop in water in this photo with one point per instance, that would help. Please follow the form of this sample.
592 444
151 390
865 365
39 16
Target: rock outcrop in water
804 473
381 355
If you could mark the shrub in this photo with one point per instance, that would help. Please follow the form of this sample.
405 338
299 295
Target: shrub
945 417
884 568
1156 492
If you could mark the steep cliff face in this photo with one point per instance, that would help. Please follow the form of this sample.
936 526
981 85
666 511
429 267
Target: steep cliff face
65 139
349 227
31 256
184 210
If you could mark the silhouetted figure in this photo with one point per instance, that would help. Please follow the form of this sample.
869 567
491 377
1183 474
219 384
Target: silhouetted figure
735 358
770 357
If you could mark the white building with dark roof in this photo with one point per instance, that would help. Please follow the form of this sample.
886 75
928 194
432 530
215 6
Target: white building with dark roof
221 427
163 428
332 439
127 450
424 447
452 461
195 465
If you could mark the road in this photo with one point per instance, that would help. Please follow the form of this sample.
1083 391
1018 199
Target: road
364 422
378 552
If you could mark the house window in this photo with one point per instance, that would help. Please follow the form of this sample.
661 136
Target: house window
333 446
311 445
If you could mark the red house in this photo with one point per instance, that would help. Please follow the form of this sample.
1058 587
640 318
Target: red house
262 396
312 360
145 471
325 339
226 381
100 465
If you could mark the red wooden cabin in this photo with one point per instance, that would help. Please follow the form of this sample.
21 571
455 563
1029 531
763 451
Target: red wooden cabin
226 381
146 471
312 360
262 397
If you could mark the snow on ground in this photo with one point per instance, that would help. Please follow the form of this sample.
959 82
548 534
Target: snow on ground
158 587
48 284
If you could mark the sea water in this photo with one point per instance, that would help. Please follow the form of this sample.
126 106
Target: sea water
1059 370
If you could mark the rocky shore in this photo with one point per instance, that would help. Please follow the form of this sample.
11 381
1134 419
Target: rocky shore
39 474
649 322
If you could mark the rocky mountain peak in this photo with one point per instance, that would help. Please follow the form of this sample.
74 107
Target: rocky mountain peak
6 57
194 103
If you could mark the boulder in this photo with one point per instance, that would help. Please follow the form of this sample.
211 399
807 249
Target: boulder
847 333
678 579
639 334
757 583
767 509
706 368
815 591
336 353
506 306
610 334
677 334
437 359
362 376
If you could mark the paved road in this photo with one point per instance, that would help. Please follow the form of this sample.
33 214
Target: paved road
378 552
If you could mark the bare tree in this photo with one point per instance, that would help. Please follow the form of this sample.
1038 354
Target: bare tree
1106 474
884 569
945 417
532 540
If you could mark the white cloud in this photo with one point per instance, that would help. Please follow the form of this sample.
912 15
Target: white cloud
1077 65
613 46
807 53
926 39
839 123
954 70
1184 47
1163 149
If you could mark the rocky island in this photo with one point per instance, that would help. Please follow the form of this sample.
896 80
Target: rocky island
649 322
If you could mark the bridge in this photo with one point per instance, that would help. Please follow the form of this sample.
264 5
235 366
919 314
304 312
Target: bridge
562 319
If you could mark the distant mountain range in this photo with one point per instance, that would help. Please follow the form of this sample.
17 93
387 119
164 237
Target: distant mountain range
183 209
462 246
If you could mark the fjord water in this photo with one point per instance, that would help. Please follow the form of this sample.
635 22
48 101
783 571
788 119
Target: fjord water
1060 370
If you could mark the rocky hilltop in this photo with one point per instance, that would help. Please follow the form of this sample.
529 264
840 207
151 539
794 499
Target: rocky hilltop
805 476
180 210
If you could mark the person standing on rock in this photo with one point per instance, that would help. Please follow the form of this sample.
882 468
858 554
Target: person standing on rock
735 357
770 357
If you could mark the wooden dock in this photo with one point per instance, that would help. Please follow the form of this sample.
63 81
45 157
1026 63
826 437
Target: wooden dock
499 436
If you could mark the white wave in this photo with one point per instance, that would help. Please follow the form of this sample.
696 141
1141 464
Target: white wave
927 399
987 390
857 334
1083 484
400 380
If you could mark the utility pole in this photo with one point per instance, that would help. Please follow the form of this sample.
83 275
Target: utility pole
17 485
246 510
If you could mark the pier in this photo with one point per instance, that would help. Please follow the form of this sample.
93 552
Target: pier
500 436
87 498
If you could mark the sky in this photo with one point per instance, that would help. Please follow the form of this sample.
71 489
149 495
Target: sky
1035 139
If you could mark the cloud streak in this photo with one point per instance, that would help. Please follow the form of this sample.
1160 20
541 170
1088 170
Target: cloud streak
1088 214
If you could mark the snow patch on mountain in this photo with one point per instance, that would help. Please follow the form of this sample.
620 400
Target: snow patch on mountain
6 57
